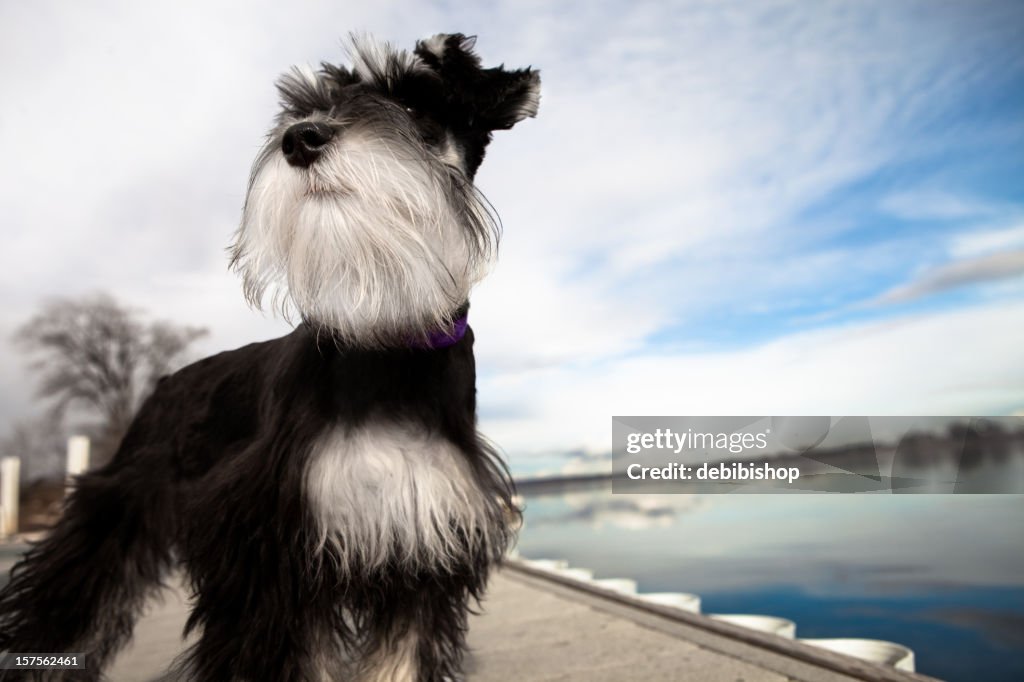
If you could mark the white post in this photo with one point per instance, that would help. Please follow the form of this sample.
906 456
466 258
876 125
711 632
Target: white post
78 456
9 474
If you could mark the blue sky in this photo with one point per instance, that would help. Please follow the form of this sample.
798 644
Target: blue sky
722 207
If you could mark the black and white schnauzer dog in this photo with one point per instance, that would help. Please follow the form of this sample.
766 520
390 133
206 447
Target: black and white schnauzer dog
327 493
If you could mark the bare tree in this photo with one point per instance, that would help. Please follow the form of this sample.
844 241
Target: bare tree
100 357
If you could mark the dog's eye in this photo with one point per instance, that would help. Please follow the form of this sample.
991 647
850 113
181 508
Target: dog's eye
412 111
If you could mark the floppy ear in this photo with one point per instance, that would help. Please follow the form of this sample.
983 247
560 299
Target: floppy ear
492 99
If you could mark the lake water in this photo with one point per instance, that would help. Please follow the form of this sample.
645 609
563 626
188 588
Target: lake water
941 574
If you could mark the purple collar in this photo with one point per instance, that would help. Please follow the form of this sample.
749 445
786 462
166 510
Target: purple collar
442 338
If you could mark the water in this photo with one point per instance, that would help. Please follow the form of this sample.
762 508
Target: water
942 574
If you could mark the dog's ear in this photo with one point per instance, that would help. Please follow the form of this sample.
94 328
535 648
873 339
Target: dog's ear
507 97
493 99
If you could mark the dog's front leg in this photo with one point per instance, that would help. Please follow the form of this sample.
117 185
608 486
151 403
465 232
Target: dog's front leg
418 635
394 657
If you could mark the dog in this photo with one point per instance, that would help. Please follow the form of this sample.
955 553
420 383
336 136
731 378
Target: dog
327 493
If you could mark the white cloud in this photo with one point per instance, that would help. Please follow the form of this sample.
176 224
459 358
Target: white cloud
956 363
933 204
992 267
672 165
979 242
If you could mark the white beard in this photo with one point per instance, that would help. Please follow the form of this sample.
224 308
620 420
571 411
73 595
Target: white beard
378 241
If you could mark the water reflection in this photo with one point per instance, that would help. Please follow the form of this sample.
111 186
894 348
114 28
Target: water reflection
941 574
628 512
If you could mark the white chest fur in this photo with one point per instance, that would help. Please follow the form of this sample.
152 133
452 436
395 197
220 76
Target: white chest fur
392 493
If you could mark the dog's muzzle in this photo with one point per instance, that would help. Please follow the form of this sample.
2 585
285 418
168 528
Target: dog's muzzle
303 143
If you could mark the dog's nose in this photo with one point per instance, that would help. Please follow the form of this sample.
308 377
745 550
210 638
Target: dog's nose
303 143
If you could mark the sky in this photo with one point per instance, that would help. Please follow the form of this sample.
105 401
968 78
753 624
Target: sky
722 207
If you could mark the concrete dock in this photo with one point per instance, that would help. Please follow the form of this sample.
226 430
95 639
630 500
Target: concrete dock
536 626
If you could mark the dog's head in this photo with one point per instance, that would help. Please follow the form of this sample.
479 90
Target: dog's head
361 212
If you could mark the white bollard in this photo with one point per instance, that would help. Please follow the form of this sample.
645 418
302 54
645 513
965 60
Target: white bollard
879 651
677 600
773 625
78 456
10 471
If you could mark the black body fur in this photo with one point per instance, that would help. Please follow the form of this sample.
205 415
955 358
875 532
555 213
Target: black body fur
211 471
